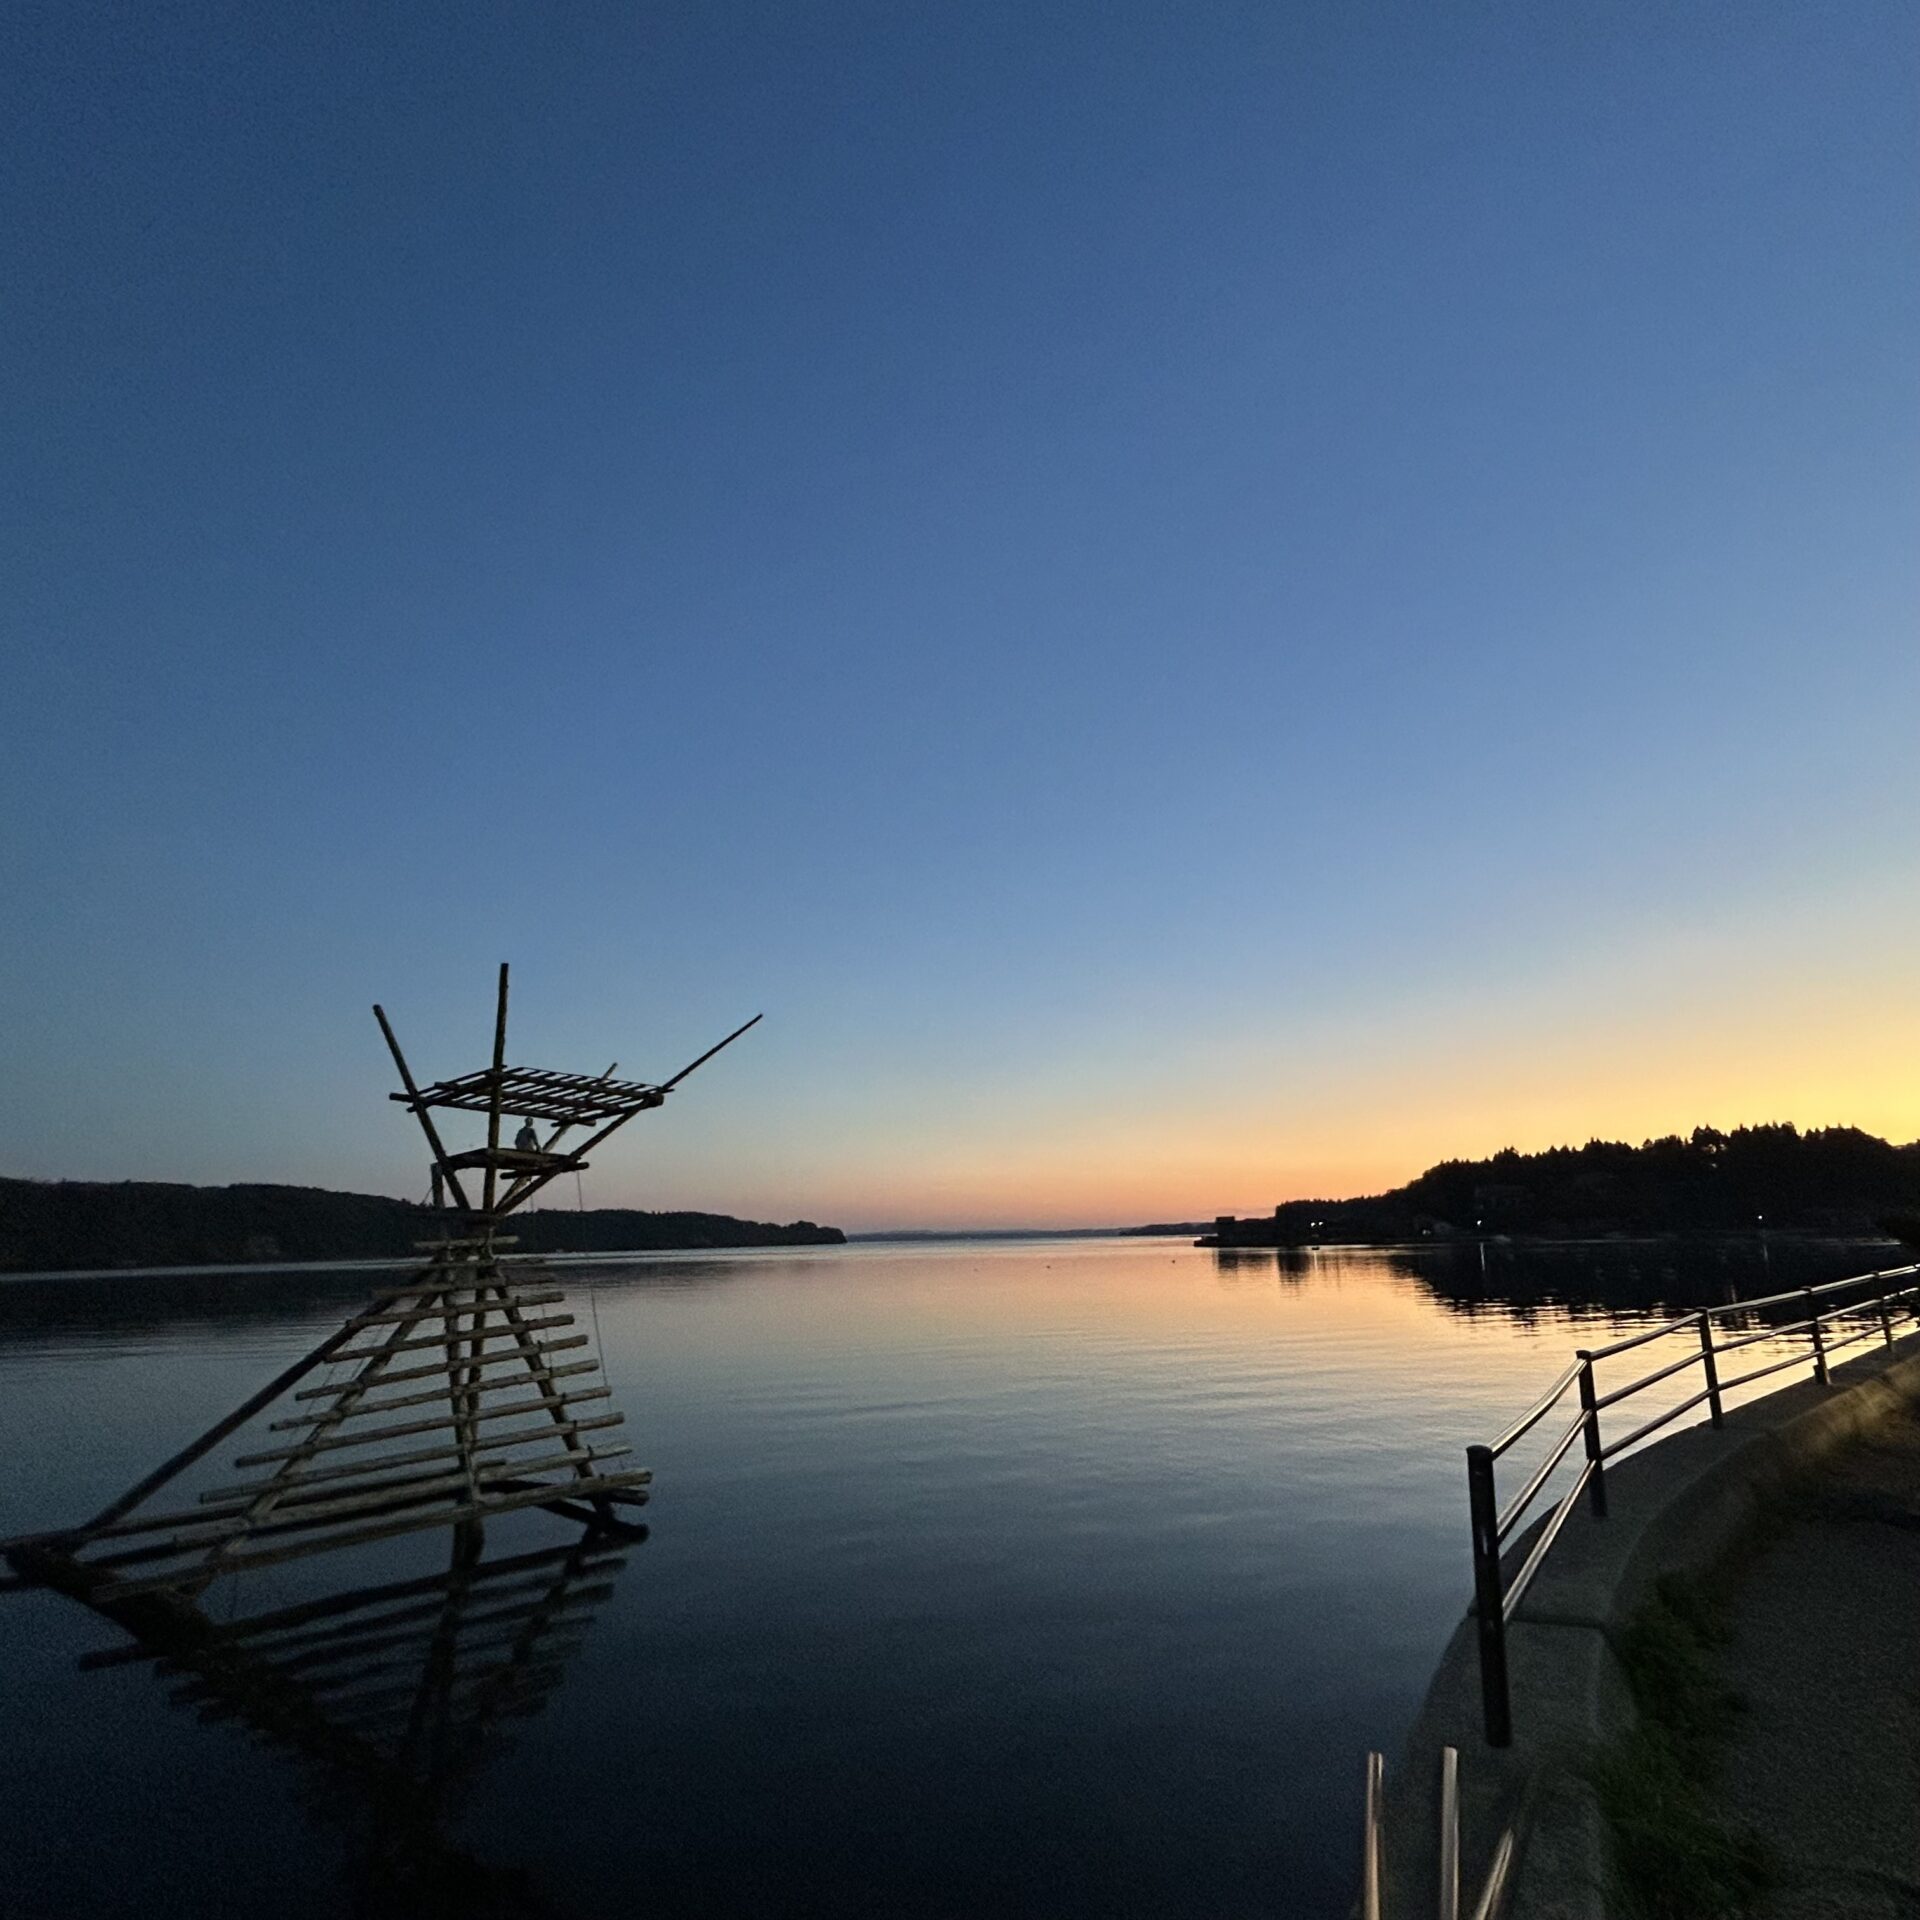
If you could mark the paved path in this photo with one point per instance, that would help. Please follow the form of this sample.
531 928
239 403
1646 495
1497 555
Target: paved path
1826 1652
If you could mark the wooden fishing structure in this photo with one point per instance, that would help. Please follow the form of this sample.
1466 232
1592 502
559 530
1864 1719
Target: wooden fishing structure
453 1397
498 1407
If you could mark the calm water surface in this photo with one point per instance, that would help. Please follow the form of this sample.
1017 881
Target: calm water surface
1038 1578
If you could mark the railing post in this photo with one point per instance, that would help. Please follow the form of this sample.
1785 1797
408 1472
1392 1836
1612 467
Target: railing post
1597 1486
1886 1319
1489 1603
1372 1846
1819 1344
1712 1369
1449 1907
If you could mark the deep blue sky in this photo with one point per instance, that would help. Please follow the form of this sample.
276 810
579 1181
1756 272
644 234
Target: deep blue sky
1200 602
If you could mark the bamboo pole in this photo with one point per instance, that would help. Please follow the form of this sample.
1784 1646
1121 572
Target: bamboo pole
545 1298
458 1424
470 1374
435 1687
220 1529
456 1401
398 1653
179 1631
394 1375
542 1374
514 1194
354 1639
546 1619
330 1670
334 1606
399 1400
421 1114
326 1350
502 1597
264 1502
535 1182
667 1086
493 1098
439 1340
417 1457
342 1481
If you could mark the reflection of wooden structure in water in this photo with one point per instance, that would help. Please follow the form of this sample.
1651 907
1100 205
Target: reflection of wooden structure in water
396 1683
495 1410
394 1692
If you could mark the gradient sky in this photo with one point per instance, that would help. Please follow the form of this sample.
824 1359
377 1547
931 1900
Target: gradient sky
1202 603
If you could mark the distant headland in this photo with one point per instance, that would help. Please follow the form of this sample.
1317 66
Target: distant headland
1835 1180
52 1225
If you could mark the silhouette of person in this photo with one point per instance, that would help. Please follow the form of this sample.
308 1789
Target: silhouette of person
526 1139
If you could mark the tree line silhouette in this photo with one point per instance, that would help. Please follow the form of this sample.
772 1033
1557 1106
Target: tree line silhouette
53 1225
1837 1180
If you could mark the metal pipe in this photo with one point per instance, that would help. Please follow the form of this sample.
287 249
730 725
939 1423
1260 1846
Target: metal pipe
1646 1334
1488 1605
1595 1453
1655 1424
1647 1380
1372 1849
1746 1306
1852 1340
1489 1906
1524 1498
1548 1535
1639 1339
1541 1407
1760 1373
1819 1345
1449 1833
1800 1293
1782 1332
1712 1371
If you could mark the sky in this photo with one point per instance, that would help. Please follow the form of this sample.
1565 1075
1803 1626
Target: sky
1201 604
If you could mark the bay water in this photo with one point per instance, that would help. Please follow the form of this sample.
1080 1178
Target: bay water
1043 1577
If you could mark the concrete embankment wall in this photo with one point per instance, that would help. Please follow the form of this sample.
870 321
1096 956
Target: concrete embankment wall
1682 1506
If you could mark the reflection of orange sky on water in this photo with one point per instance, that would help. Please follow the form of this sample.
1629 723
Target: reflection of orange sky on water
1329 1329
1305 1340
1130 1286
1368 1110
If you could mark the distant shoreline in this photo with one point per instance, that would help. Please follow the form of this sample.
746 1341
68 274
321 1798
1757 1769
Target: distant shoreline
224 1269
83 1226
907 1234
1770 1178
1547 1242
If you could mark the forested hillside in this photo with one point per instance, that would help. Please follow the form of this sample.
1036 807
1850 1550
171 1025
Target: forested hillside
53 1225
1828 1179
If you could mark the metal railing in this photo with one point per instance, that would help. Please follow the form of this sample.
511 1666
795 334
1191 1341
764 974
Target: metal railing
1373 1870
1495 1596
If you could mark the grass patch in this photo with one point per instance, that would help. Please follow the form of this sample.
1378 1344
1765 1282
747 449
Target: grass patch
1674 1858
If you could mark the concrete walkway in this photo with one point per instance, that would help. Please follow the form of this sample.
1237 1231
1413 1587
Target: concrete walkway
1825 1761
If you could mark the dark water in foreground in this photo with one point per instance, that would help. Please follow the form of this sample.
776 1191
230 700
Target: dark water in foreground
1044 1578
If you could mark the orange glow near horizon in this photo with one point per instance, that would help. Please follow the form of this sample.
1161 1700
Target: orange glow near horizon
1359 1119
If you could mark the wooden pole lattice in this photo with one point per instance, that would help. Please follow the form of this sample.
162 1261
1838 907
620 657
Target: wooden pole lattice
492 1418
